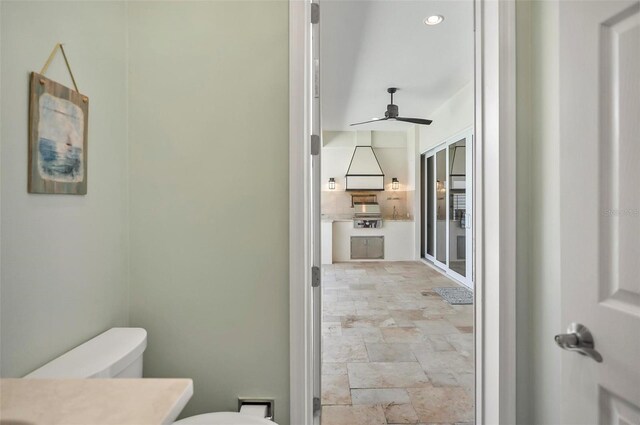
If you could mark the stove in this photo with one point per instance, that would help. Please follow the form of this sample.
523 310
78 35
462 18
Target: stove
367 215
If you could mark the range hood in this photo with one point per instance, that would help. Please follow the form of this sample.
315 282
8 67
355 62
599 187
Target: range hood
364 171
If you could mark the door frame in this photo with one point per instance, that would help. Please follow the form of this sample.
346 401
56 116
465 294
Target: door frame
421 226
494 223
442 265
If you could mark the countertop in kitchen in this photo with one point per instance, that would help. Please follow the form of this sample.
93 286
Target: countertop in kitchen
93 401
405 219
347 217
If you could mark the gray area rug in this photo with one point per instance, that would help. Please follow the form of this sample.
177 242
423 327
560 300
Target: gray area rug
455 296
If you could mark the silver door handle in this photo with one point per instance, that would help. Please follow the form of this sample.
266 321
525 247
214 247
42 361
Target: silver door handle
579 339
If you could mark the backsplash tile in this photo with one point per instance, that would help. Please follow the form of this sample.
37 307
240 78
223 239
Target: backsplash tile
338 203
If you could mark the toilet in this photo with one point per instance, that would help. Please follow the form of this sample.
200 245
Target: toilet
117 353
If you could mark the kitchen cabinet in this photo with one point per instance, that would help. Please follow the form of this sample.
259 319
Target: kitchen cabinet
326 240
398 242
367 247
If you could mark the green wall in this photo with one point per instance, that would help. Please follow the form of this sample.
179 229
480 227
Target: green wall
64 257
185 228
208 129
538 212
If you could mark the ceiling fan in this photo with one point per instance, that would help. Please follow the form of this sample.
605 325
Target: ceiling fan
392 113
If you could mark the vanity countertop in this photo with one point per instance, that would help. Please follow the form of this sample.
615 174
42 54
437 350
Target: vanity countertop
92 401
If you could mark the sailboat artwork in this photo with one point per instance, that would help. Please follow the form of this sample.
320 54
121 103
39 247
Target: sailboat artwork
58 138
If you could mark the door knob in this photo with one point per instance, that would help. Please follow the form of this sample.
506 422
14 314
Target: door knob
578 338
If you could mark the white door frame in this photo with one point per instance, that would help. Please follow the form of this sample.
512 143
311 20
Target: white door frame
300 291
441 264
421 224
494 205
432 153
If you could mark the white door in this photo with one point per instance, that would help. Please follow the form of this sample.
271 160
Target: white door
599 95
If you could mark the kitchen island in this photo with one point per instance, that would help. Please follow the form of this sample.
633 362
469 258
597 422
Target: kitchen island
337 231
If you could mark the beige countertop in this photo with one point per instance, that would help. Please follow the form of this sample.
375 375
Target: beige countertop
330 218
92 401
336 217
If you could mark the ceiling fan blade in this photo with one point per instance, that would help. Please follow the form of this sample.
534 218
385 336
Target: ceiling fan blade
415 120
366 122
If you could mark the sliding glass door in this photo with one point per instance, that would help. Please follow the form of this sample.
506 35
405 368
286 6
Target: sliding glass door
447 191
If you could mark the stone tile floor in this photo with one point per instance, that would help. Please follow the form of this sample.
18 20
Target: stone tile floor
394 352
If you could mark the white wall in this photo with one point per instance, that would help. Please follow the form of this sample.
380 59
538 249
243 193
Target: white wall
390 148
538 210
209 141
414 186
64 257
452 117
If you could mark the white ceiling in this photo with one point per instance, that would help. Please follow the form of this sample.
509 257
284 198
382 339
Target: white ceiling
367 46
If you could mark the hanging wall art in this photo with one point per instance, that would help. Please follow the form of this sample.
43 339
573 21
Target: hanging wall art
58 125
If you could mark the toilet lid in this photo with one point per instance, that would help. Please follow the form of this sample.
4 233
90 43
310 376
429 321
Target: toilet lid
223 418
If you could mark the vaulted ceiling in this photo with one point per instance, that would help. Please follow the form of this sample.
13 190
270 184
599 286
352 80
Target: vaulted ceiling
367 46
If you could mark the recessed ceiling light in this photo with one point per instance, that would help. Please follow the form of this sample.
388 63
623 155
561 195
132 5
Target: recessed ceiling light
433 19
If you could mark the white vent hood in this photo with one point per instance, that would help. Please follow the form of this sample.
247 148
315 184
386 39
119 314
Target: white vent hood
364 171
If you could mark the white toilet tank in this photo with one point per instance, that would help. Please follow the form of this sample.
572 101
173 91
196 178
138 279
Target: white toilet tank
116 353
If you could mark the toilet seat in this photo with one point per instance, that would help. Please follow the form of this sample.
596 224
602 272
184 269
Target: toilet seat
224 418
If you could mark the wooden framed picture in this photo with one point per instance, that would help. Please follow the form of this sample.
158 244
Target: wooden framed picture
58 125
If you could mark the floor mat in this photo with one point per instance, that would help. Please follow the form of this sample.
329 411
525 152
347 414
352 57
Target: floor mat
456 296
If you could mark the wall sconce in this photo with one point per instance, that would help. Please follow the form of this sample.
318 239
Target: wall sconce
395 184
440 189
332 183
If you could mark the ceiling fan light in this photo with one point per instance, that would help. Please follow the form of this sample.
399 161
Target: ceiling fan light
433 19
392 114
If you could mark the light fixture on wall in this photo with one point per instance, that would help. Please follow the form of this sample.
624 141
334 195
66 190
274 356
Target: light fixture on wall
441 190
332 183
395 184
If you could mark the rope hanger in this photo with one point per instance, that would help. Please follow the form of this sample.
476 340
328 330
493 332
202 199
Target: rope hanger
66 61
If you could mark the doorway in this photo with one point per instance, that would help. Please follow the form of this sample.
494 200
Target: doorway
395 346
495 381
